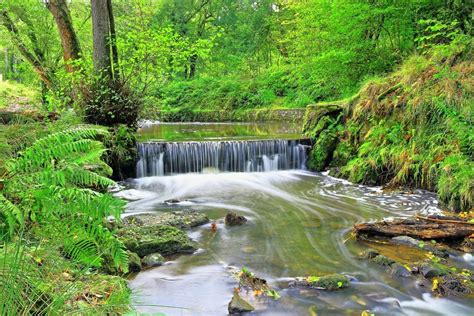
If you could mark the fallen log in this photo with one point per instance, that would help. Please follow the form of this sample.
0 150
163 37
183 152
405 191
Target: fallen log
417 228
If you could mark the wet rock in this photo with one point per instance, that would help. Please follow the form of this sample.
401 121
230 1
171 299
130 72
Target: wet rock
370 254
453 285
383 261
412 242
328 282
152 260
431 269
134 263
180 219
467 245
400 271
163 239
232 219
238 305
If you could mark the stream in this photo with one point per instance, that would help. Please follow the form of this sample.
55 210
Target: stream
299 225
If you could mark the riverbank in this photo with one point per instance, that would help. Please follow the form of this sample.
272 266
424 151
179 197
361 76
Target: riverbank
412 129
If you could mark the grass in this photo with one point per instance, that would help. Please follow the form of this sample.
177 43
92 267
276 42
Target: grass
17 95
414 128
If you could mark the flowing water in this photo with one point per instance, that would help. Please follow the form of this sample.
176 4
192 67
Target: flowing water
299 224
157 159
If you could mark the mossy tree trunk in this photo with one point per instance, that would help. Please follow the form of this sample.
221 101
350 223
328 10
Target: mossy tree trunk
69 39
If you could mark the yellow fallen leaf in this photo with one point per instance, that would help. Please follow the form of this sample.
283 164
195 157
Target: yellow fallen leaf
435 284
257 293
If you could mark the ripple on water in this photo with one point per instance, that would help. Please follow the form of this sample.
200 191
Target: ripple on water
299 225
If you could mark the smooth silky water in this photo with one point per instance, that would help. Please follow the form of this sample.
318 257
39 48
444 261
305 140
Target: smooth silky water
299 225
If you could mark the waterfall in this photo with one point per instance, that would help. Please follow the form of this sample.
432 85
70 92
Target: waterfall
160 158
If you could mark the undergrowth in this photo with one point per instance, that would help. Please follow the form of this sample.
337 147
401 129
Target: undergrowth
414 128
53 237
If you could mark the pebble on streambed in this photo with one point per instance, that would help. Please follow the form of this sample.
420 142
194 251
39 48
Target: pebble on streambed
445 280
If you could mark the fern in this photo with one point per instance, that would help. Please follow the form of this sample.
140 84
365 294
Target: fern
11 213
52 184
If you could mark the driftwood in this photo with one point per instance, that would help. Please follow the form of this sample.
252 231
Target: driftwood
421 228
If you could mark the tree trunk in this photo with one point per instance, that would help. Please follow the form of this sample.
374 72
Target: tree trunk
101 33
113 39
36 61
69 40
192 66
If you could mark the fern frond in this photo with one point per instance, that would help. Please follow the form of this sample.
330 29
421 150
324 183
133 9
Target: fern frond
12 214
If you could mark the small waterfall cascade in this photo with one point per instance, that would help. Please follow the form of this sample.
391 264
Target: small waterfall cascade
162 158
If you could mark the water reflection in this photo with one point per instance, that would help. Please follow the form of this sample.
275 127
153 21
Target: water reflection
219 131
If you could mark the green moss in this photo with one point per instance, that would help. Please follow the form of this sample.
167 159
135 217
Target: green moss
413 128
162 239
433 269
383 261
329 282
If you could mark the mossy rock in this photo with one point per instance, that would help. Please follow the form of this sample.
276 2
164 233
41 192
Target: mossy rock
153 260
165 240
383 261
433 269
180 219
134 263
370 254
329 282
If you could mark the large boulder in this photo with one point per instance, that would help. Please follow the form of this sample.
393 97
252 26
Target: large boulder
180 219
163 239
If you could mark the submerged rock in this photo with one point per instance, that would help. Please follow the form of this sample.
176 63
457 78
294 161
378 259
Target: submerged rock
152 260
412 242
370 254
180 219
163 239
232 219
238 305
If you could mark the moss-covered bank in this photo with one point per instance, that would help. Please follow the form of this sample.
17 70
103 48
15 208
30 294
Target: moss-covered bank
414 128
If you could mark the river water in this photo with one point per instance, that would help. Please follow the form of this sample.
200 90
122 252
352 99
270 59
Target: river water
299 225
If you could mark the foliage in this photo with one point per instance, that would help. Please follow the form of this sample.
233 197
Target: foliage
110 103
414 129
49 190
37 279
